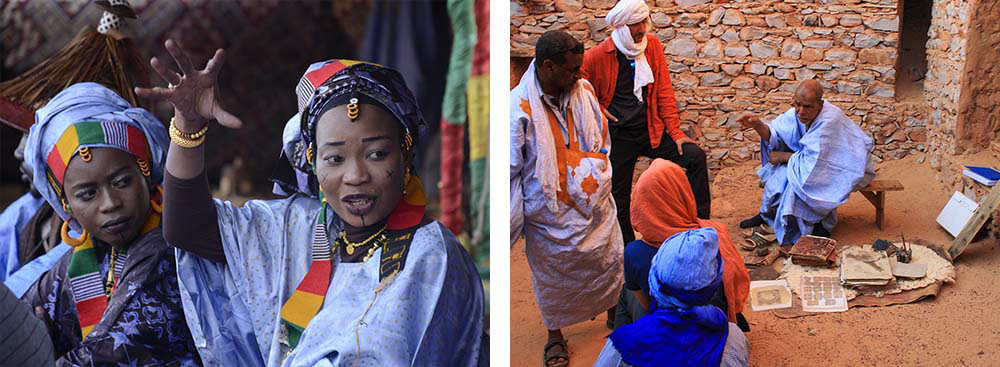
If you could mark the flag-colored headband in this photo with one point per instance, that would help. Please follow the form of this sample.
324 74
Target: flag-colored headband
82 135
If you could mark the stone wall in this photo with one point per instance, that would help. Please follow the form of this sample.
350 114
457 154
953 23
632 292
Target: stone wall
945 60
731 57
979 117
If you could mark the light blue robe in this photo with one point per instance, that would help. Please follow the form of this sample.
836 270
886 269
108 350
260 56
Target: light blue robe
13 219
829 161
430 314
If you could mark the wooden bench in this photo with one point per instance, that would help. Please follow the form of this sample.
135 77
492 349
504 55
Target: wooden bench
875 193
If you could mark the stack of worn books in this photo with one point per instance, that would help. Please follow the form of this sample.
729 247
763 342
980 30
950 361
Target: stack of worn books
814 251
865 269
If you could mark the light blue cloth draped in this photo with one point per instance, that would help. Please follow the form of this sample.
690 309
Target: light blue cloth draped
21 280
12 220
430 314
829 161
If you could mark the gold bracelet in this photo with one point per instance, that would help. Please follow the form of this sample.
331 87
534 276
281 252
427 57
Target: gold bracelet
191 136
186 140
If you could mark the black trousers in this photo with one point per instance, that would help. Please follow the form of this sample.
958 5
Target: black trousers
625 152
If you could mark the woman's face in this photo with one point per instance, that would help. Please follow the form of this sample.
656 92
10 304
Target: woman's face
108 195
360 164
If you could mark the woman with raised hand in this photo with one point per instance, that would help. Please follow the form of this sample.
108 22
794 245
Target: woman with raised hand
114 299
347 270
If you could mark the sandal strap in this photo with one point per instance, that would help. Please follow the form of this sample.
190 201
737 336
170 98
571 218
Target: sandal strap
554 342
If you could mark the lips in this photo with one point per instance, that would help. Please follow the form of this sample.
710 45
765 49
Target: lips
117 225
359 204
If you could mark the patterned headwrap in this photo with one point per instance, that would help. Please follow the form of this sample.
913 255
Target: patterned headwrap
330 84
83 116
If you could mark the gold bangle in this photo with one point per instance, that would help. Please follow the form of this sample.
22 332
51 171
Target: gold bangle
186 140
192 136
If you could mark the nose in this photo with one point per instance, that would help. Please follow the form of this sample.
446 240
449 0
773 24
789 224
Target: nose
356 173
109 201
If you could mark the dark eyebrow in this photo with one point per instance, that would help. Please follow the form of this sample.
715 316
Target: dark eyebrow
114 173
365 140
118 171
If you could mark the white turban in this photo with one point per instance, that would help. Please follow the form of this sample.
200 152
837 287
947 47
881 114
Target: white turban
624 13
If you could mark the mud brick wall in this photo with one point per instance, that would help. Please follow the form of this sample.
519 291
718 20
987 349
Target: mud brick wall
731 57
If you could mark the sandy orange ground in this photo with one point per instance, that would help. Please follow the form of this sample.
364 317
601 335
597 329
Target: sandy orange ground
955 329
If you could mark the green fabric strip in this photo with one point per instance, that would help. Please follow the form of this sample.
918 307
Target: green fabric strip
83 262
463 25
294 334
89 132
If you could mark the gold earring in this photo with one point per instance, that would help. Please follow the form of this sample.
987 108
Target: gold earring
73 242
85 154
353 110
157 207
143 166
406 180
65 205
407 142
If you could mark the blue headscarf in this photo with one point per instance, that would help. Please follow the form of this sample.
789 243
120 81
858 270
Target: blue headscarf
682 329
117 119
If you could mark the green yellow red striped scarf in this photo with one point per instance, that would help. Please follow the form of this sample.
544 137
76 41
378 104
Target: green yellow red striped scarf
307 299
86 281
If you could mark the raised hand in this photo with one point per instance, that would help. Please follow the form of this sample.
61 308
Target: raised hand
193 93
749 121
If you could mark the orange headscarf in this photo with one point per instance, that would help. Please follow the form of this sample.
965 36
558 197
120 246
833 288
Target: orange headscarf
663 205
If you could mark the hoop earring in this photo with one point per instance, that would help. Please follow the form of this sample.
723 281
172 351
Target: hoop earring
73 242
157 207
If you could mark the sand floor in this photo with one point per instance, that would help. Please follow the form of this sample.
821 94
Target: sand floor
954 329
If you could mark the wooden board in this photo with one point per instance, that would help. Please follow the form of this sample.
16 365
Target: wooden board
884 185
986 207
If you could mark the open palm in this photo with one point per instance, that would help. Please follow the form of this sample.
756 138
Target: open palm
193 93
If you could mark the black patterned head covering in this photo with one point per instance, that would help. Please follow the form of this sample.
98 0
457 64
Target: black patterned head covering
334 83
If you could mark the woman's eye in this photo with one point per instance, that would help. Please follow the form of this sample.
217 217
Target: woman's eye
85 195
378 155
121 182
334 159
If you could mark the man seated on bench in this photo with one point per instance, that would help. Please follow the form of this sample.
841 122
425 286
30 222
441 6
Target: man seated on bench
813 156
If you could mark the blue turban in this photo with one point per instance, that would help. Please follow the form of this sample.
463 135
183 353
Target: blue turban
89 115
682 329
